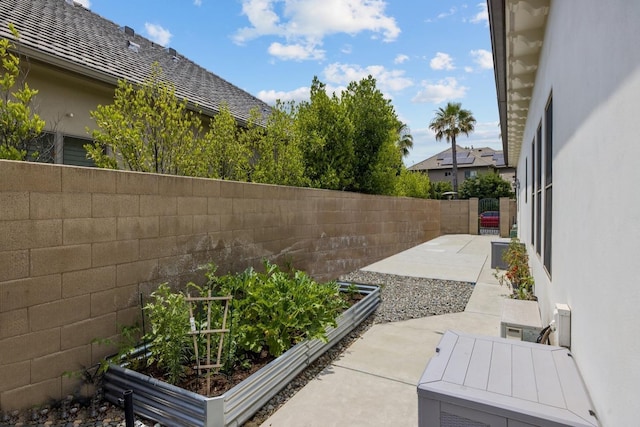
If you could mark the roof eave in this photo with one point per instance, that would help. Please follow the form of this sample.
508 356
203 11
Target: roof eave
496 9
517 29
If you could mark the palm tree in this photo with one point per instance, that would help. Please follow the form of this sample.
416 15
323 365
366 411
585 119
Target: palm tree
450 122
405 139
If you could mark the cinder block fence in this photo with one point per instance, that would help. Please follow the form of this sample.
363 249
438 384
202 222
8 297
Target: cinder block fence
79 246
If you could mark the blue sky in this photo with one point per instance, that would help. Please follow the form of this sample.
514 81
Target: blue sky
422 54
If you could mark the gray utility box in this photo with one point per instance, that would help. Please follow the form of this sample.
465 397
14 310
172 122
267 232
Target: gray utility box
498 248
489 381
520 320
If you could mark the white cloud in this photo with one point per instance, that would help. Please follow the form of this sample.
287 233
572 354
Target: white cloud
444 90
336 78
307 22
296 52
483 58
347 49
271 96
386 80
197 2
157 34
451 12
84 3
442 61
482 16
468 69
400 59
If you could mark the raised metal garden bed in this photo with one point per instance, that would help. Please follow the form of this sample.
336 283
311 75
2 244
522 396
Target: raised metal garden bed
174 406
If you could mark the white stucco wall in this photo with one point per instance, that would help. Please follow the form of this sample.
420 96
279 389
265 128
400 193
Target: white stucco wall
591 62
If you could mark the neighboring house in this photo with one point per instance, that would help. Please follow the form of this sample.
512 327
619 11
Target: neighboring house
471 162
74 58
568 81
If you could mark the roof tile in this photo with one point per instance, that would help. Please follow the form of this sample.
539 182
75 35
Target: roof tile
76 35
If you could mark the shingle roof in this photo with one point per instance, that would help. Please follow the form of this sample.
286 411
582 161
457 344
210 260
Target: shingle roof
75 38
467 158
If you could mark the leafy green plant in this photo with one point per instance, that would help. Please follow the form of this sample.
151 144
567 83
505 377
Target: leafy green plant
168 339
128 339
487 185
413 184
270 312
19 125
273 310
518 275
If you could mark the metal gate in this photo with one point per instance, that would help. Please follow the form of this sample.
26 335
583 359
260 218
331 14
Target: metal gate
489 216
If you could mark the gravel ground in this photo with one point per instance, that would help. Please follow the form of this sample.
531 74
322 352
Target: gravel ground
403 298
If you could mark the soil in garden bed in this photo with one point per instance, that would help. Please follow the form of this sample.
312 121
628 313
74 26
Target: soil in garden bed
219 382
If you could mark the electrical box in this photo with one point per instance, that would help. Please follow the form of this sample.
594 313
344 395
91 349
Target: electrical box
562 320
478 381
520 320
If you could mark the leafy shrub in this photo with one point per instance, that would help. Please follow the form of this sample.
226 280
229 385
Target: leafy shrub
275 310
518 275
486 186
438 188
413 184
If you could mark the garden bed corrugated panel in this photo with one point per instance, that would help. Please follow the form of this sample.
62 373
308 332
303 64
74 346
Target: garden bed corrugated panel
171 405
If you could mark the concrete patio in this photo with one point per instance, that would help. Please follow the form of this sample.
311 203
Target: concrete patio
374 382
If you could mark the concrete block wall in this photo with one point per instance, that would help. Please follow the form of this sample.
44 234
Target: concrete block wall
79 246
456 216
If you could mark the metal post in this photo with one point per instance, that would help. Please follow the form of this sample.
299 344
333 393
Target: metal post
128 408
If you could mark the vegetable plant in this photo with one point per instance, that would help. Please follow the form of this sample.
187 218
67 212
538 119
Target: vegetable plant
168 339
270 312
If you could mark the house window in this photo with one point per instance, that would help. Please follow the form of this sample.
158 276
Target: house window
538 171
73 152
42 149
447 174
533 191
470 174
548 182
526 178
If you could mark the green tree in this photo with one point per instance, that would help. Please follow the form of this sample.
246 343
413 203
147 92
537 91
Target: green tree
486 186
147 129
438 188
413 184
277 156
405 139
223 153
448 123
375 127
326 140
386 169
19 126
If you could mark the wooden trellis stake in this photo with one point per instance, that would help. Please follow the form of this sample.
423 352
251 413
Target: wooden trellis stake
208 301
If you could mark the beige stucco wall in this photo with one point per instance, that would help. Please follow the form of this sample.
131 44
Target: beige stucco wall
79 245
64 99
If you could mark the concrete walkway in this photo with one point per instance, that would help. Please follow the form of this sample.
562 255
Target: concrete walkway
374 382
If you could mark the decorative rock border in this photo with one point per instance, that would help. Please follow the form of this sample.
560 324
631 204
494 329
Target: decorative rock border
171 405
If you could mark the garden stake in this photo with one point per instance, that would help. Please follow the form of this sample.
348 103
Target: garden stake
208 300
